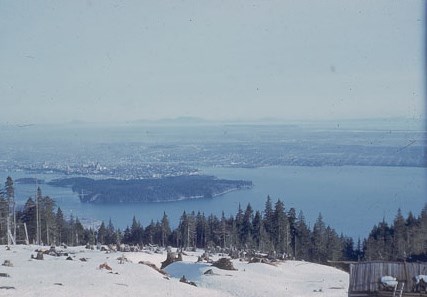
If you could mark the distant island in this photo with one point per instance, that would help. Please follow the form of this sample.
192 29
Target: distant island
29 181
150 190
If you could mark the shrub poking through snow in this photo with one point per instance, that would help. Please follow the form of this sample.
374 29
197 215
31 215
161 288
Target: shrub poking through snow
224 263
185 281
149 264
170 258
105 266
204 257
209 272
39 256
122 259
7 263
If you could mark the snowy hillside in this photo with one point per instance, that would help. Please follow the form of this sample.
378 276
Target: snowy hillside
82 276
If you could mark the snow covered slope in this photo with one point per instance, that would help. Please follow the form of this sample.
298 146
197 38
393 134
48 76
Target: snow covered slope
56 276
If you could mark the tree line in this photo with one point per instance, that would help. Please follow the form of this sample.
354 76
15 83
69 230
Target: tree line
404 239
275 230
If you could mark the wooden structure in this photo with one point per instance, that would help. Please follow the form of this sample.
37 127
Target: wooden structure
365 279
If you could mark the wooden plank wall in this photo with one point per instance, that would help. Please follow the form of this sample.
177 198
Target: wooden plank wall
365 276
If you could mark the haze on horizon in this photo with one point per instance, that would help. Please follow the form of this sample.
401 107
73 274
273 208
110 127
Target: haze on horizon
118 61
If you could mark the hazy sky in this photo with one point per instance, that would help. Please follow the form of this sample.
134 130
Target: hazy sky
127 60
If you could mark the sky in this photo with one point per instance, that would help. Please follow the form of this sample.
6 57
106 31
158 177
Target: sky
121 61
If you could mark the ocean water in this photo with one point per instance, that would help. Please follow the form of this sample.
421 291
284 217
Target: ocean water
351 199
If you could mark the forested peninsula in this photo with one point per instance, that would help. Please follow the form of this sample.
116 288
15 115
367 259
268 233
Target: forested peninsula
150 190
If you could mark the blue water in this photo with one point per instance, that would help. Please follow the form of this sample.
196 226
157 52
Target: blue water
351 199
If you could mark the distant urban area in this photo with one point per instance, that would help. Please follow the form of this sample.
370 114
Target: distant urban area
141 152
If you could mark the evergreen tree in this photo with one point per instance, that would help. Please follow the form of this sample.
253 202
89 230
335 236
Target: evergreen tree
245 232
166 230
280 228
213 231
334 245
238 222
184 230
47 219
191 232
3 218
89 236
421 235
319 239
349 253
260 236
102 233
127 237
359 250
71 231
303 246
11 216
400 237
38 200
111 235
29 218
79 233
257 230
157 233
225 231
379 245
61 227
412 230
268 216
149 233
292 218
201 230
136 232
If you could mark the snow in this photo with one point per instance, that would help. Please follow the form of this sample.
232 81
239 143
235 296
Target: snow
389 281
56 276
420 277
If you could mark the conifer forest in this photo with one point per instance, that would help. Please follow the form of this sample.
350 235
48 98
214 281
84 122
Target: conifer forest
277 230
